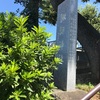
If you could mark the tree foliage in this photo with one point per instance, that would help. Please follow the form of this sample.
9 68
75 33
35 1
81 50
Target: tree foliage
31 9
92 15
6 25
46 13
26 66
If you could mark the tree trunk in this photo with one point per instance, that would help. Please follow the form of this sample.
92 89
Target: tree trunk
90 40
32 9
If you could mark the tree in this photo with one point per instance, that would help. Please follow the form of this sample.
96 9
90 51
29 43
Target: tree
46 11
48 14
38 9
31 10
87 35
92 15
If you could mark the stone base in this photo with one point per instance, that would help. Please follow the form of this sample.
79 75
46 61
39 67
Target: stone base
64 95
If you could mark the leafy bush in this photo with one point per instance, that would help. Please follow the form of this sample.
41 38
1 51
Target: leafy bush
6 25
26 66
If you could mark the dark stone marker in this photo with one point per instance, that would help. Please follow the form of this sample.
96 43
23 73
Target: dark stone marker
65 76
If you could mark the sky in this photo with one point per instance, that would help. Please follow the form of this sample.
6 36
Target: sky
8 5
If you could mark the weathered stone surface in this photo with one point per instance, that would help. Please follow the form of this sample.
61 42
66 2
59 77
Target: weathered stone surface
73 95
65 76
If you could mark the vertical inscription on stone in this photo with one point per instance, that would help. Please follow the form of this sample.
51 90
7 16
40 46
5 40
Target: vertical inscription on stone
65 76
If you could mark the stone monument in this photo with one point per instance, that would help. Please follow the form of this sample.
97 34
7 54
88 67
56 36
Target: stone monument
65 76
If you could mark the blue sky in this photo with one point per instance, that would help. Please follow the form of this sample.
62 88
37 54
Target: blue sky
8 5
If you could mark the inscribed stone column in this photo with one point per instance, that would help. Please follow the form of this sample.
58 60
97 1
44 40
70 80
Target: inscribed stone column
65 76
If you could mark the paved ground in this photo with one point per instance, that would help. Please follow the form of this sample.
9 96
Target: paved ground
63 95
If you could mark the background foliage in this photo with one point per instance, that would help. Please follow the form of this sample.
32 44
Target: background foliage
44 9
92 15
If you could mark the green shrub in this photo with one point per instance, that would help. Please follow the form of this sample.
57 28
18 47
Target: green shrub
6 25
26 66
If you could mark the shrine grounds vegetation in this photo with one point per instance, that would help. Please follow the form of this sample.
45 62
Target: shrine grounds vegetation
87 87
26 60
